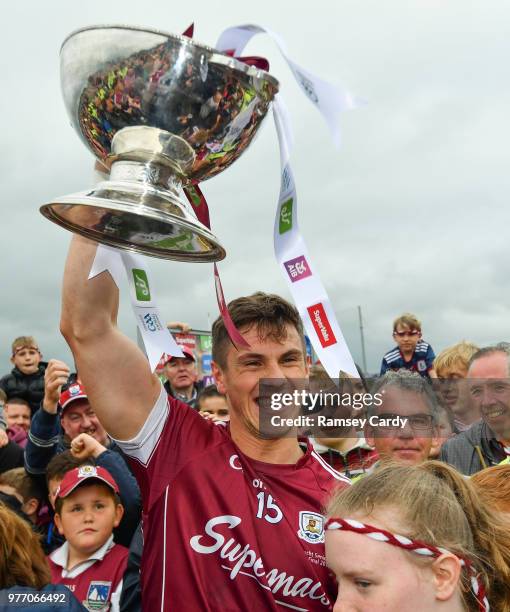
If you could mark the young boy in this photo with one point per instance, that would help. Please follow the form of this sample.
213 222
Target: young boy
26 489
411 352
26 379
451 367
87 509
212 404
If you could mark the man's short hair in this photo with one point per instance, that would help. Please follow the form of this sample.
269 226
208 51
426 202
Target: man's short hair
23 341
408 320
269 313
407 381
3 396
209 391
500 347
18 400
25 484
62 463
457 355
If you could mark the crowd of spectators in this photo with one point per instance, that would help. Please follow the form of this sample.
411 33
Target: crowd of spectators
75 498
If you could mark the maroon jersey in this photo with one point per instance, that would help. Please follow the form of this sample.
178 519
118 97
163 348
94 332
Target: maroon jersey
355 461
93 586
223 531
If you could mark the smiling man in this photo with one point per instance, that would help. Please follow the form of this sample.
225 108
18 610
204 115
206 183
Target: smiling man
487 442
404 427
218 502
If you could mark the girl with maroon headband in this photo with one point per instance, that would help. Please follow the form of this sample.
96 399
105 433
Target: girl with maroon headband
417 538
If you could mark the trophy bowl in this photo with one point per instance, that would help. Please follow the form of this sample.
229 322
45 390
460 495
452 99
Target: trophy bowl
161 112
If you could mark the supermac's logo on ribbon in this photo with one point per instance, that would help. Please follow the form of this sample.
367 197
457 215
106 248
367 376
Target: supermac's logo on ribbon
321 325
297 268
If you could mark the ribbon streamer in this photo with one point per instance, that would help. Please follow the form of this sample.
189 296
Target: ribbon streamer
291 253
197 200
156 337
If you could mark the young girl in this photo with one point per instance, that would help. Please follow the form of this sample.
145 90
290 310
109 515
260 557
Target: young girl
417 538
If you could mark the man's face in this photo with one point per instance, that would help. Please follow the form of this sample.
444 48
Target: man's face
489 387
215 405
410 444
406 338
17 415
453 389
27 359
181 373
87 517
78 417
264 359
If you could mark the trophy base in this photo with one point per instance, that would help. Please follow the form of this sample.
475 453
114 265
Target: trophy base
137 217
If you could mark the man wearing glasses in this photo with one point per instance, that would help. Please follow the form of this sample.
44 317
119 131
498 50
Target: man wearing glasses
411 353
405 425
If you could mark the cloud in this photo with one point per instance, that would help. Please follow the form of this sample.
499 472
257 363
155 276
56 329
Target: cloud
411 214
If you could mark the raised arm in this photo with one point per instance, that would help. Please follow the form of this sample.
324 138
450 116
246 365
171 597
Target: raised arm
115 372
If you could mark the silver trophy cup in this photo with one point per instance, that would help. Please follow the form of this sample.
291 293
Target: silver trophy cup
161 112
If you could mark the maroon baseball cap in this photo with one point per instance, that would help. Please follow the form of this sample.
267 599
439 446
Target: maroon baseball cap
74 478
187 352
74 392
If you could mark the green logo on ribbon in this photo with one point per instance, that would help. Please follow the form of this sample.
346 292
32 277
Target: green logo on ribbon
286 216
143 293
205 343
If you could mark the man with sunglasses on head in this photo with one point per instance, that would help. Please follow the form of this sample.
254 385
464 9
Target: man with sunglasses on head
411 353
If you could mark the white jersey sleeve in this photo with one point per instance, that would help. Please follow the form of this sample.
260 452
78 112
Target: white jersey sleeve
142 446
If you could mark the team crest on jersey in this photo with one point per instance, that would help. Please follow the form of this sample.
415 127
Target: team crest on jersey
97 596
421 365
311 527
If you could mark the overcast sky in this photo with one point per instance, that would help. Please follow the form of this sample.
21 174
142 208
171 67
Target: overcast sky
411 214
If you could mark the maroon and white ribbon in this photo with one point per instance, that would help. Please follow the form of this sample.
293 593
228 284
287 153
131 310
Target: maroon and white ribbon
197 200
291 253
416 546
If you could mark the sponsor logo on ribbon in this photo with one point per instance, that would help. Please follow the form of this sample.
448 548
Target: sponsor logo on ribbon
321 325
151 322
286 216
297 268
308 86
141 282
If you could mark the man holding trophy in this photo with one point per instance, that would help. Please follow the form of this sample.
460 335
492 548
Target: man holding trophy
232 521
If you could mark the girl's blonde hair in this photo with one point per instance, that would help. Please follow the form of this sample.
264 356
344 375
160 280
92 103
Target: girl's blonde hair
22 560
438 506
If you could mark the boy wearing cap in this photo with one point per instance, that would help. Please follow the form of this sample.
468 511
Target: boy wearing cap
67 418
26 379
88 508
